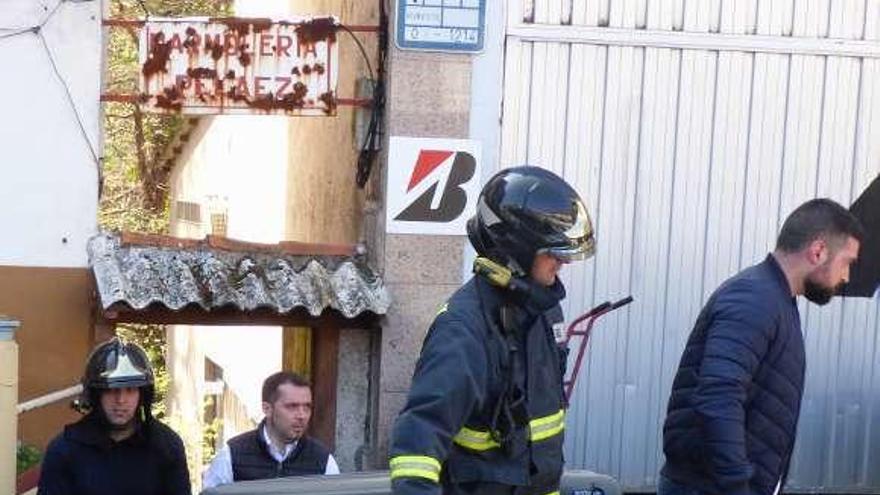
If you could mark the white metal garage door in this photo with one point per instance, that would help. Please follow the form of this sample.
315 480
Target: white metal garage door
693 127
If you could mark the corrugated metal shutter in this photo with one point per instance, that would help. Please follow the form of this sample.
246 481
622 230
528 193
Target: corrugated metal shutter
694 128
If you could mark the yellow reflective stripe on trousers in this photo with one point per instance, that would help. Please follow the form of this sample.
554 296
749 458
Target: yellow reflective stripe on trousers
547 426
553 493
415 466
475 440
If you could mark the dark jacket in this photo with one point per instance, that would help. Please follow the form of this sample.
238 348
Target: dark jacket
733 411
83 460
251 459
442 437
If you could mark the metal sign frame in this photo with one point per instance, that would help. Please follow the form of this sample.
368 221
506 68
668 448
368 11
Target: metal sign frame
199 65
441 25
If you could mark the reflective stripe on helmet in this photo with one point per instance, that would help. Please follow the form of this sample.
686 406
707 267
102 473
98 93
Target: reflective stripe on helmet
113 364
124 370
415 466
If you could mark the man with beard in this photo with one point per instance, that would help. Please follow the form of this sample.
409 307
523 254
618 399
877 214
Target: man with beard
117 447
279 446
732 415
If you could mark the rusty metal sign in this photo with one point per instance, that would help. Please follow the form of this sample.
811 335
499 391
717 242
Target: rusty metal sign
239 66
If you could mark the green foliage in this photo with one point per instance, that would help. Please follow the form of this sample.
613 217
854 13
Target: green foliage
26 456
212 430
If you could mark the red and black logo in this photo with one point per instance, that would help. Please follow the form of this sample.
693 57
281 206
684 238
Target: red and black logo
453 199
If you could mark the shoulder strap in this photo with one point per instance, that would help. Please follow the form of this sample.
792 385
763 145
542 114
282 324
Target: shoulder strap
509 410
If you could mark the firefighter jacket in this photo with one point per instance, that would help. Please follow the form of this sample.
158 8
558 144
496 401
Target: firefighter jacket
84 460
475 367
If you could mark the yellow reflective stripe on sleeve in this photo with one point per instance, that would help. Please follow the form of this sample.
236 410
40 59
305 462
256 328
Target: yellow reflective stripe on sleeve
539 429
415 466
442 309
553 493
474 439
547 426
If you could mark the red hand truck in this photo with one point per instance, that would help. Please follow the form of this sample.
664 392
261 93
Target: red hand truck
590 317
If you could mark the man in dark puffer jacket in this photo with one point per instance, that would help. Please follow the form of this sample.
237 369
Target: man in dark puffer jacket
279 446
732 415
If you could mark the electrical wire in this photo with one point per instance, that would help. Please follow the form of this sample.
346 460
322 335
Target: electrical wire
361 48
370 146
52 13
32 29
38 30
76 114
16 33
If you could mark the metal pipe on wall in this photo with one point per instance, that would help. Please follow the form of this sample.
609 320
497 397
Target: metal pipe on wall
45 400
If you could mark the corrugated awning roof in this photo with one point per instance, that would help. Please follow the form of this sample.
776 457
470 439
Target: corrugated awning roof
143 270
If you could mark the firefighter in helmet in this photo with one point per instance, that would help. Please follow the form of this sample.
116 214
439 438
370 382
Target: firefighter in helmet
117 447
486 411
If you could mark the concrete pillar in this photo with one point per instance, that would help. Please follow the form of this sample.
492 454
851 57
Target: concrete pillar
8 403
428 96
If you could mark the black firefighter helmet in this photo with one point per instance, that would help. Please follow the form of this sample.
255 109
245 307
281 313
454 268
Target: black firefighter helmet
114 364
524 211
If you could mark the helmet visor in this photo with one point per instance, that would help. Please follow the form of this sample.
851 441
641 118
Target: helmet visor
581 244
583 249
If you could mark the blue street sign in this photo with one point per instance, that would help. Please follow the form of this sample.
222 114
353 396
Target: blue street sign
441 25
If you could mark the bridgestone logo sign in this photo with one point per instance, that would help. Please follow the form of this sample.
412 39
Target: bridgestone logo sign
239 66
433 185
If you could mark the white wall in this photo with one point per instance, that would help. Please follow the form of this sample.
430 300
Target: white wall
48 176
242 158
263 8
247 355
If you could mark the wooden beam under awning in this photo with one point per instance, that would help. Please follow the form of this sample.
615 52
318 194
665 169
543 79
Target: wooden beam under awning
325 368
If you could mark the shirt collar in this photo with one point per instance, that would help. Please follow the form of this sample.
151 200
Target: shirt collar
278 455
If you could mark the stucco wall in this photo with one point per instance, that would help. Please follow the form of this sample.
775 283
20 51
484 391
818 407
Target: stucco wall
324 203
50 137
49 172
428 96
354 407
54 339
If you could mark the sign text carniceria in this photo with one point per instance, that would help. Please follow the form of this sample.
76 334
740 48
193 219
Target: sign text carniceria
239 65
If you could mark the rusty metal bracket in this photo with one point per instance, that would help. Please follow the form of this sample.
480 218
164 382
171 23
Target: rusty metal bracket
137 99
119 22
